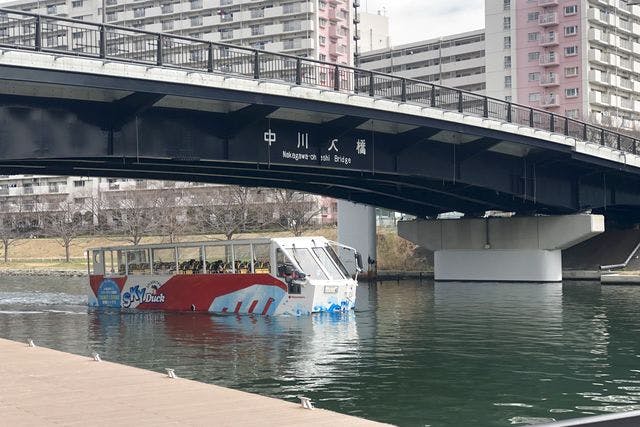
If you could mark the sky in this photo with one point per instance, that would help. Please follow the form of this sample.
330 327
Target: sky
415 20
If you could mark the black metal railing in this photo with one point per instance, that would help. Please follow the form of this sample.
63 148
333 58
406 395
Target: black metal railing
23 30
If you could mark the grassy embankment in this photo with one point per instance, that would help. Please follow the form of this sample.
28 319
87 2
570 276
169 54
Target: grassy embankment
394 253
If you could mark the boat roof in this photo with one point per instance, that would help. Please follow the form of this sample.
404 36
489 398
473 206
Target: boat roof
282 241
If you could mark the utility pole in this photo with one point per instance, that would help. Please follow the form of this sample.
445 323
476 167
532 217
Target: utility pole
356 34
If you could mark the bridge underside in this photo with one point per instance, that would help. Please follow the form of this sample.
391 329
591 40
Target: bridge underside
82 124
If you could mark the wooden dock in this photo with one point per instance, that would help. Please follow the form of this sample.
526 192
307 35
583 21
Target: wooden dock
40 386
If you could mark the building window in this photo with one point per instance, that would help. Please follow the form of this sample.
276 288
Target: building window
507 62
533 16
571 10
196 21
322 5
323 22
571 51
572 114
78 183
138 13
571 92
534 97
508 98
534 77
533 37
507 82
506 23
533 56
196 4
507 42
111 16
506 5
571 71
322 40
571 31
76 3
167 25
322 57
52 10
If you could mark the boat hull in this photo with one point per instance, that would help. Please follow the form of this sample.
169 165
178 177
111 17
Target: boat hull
260 294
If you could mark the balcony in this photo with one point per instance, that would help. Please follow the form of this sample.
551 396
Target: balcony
550 79
549 60
549 39
550 101
548 19
547 3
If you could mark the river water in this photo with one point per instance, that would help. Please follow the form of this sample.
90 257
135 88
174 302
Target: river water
413 354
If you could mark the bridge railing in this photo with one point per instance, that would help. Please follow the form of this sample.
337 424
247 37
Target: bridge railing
24 30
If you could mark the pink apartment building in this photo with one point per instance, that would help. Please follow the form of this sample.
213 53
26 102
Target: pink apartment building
579 58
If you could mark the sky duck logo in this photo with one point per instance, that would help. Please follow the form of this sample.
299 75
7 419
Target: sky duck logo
137 295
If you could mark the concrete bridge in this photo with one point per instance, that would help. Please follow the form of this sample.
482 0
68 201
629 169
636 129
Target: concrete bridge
79 98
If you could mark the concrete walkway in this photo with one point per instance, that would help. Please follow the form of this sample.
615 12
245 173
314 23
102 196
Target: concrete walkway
44 387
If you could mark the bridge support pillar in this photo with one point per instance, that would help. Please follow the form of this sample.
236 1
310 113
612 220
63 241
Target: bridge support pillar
516 249
357 228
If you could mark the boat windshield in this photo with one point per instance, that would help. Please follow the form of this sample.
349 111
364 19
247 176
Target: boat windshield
308 263
325 259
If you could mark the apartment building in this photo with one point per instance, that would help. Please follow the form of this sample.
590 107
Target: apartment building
457 61
572 57
319 29
373 30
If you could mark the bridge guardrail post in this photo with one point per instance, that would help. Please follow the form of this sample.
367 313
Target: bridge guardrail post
103 41
372 91
38 35
298 71
619 141
552 122
210 53
602 139
403 92
256 65
531 118
336 78
485 107
460 106
566 126
509 116
433 96
635 146
159 50
584 132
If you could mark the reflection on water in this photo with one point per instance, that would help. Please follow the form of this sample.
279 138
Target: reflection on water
413 354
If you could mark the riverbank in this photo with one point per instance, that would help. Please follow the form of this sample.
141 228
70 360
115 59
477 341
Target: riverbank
78 388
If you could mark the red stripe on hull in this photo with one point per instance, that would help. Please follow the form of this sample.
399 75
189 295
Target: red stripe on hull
238 305
267 306
253 305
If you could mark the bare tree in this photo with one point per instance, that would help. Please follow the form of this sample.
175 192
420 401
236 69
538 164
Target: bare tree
224 209
171 221
134 213
65 225
10 232
294 210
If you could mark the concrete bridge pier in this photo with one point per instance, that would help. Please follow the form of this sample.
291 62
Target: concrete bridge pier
357 228
516 249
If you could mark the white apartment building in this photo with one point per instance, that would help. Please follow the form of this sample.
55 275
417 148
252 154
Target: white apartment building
319 29
373 30
575 57
457 61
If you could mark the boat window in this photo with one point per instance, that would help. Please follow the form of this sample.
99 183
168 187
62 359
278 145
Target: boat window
308 263
219 259
261 258
283 263
189 260
242 255
164 261
138 261
121 267
110 260
334 256
327 262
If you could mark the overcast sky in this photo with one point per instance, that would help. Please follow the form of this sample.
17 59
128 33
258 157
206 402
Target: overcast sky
415 20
